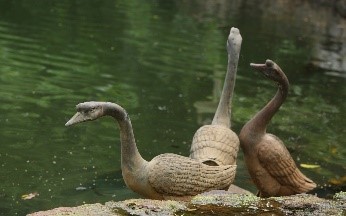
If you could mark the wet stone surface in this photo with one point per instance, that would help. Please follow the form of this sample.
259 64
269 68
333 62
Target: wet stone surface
214 203
146 207
305 204
227 203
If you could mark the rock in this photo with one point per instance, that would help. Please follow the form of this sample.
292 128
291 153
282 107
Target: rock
146 207
226 203
85 210
213 203
306 204
340 196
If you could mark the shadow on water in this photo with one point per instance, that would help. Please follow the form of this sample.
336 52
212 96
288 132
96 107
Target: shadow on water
164 61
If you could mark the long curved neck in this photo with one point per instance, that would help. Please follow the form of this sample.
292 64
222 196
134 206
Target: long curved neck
259 122
223 112
130 156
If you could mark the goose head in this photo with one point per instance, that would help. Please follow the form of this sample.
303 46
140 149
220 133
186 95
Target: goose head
87 111
270 70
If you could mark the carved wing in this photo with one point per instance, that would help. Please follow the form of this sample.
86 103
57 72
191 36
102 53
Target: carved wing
275 158
176 175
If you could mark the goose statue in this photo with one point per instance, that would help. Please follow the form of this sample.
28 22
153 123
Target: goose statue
166 176
217 144
268 161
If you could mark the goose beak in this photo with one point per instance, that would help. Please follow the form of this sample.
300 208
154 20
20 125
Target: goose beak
260 67
77 118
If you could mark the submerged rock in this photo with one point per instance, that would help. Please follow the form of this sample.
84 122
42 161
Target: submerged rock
213 203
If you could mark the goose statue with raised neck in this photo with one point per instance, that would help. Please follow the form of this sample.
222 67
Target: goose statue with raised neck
166 176
217 144
268 161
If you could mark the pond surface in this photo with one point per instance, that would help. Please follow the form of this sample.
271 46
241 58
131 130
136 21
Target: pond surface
164 62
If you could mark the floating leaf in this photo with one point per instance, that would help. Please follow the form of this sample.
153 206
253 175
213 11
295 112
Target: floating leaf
333 150
80 188
29 196
338 181
310 166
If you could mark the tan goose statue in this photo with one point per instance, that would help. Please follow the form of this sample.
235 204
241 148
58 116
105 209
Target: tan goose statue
217 144
269 163
166 176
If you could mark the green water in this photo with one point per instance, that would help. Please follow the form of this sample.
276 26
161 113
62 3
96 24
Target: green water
164 62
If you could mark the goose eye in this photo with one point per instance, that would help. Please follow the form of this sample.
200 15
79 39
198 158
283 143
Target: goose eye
269 63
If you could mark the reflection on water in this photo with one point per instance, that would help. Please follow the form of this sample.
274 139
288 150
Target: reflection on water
164 61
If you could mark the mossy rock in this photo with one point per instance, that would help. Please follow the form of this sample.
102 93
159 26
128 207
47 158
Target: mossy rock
340 196
146 207
306 204
214 203
85 210
227 203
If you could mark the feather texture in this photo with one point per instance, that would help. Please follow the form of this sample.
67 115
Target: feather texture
277 161
215 143
186 176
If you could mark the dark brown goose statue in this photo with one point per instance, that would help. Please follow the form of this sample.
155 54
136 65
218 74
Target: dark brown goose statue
166 176
217 144
268 161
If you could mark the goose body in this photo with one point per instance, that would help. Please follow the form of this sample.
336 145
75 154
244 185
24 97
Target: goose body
217 144
166 176
268 161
